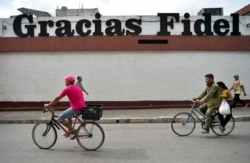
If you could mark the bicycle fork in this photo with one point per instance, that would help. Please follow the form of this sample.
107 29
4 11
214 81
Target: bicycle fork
187 119
47 129
49 125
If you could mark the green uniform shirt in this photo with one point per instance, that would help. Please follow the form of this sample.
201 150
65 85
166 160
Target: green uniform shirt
211 96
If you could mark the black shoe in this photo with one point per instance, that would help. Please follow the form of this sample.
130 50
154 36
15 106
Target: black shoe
205 131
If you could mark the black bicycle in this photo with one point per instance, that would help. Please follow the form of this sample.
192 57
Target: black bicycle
89 134
183 124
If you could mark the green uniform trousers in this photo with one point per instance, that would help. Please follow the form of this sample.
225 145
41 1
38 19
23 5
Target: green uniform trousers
208 112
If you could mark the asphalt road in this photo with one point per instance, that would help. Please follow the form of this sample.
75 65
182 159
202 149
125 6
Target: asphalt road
130 143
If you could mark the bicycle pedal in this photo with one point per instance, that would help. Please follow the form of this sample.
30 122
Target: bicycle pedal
72 137
66 135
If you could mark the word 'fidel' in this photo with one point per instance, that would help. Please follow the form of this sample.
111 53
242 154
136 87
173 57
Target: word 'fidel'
114 27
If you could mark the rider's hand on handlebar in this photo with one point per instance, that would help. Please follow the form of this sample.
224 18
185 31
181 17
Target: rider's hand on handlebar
201 102
195 99
46 106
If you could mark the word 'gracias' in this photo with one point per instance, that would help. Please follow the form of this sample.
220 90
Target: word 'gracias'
114 27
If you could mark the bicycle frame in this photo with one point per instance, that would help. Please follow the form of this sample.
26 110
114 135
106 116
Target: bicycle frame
58 125
183 123
88 134
197 113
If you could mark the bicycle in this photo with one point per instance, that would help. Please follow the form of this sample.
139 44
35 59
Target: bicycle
89 135
183 124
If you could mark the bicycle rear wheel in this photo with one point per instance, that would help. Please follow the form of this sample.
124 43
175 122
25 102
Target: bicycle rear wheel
228 128
183 124
44 135
90 136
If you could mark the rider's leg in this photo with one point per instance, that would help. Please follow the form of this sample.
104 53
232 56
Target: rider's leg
67 114
68 125
221 118
228 117
208 121
203 108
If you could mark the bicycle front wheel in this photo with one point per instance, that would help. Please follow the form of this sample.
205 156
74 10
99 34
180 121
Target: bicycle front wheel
44 135
228 128
90 136
183 124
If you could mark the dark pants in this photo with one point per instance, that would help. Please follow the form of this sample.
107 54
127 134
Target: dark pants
236 99
224 121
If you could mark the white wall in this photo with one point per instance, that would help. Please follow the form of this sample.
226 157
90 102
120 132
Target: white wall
115 76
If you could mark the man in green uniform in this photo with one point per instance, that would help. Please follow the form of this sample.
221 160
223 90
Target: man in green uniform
209 100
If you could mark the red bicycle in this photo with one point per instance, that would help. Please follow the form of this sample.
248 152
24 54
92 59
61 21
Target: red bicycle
89 134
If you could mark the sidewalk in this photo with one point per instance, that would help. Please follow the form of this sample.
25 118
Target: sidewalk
114 116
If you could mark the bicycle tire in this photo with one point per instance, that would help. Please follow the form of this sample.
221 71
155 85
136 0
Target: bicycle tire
44 135
183 124
228 128
90 136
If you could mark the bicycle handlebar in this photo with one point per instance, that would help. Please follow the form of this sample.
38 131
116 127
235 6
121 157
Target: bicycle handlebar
195 101
48 110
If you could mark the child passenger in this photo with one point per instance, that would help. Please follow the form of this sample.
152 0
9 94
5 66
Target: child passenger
79 84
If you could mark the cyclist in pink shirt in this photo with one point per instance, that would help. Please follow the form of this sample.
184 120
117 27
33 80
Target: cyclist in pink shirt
76 100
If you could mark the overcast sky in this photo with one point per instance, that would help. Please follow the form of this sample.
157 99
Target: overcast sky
122 7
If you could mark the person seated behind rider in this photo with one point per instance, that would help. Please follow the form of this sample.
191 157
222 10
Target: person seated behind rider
209 101
225 93
76 100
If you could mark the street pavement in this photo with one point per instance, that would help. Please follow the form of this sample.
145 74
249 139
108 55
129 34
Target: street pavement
115 116
130 143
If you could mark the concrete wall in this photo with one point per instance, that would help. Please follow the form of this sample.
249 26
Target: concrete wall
118 70
114 76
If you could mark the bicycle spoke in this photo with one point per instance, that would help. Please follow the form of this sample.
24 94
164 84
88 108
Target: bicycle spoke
183 124
44 136
90 136
228 128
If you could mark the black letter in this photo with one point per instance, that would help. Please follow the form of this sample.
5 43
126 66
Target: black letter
116 29
164 23
186 24
65 30
219 24
43 27
17 26
98 25
79 27
207 25
235 25
135 27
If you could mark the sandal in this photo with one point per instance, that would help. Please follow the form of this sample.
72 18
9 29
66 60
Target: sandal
72 135
222 129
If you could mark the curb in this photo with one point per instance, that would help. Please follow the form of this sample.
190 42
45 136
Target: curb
119 120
